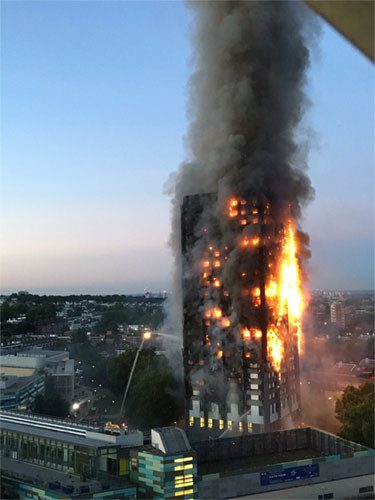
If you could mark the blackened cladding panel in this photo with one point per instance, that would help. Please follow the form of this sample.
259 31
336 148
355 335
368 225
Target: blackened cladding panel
192 230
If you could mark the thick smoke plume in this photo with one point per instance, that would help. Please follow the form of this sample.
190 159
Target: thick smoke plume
246 102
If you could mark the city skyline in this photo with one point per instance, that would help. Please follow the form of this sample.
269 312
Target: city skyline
94 115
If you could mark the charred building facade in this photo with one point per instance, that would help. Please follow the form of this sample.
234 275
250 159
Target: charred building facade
241 316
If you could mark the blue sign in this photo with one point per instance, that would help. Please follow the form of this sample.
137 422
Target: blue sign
290 474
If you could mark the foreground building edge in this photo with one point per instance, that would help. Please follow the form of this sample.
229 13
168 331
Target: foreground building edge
83 462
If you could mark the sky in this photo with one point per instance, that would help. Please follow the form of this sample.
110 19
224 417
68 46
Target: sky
93 118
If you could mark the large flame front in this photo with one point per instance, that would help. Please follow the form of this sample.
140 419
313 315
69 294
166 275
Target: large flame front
283 294
284 297
278 296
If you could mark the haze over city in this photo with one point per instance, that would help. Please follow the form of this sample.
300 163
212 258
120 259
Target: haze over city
94 114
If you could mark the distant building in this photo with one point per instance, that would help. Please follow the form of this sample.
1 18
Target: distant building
132 340
338 314
366 368
344 368
51 326
19 392
54 363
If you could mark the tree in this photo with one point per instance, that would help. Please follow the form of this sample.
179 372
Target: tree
51 403
120 367
154 397
154 400
355 411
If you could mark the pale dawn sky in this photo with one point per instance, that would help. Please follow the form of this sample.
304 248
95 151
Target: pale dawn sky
93 118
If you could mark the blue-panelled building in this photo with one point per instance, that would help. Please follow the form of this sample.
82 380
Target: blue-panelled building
167 469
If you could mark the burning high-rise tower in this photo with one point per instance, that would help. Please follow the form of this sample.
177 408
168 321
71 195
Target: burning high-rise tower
242 305
236 236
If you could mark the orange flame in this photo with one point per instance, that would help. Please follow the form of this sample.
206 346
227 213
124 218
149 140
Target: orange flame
284 297
275 347
246 333
233 207
215 312
225 323
257 333
251 333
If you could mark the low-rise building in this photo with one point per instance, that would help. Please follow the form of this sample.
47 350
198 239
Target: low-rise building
54 363
58 458
18 392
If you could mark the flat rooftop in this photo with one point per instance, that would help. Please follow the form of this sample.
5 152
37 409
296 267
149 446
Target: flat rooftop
63 430
18 371
256 463
59 435
42 477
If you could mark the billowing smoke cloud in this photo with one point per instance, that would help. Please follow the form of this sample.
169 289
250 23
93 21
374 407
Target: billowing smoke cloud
246 103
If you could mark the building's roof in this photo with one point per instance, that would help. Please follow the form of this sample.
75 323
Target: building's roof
17 371
256 463
60 436
65 367
66 431
170 440
148 448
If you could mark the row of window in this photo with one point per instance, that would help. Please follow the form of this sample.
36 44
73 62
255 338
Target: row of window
47 452
230 425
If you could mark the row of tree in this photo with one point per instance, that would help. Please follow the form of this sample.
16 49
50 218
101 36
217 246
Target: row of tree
148 314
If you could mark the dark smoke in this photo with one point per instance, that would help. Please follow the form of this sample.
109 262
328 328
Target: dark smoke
247 100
